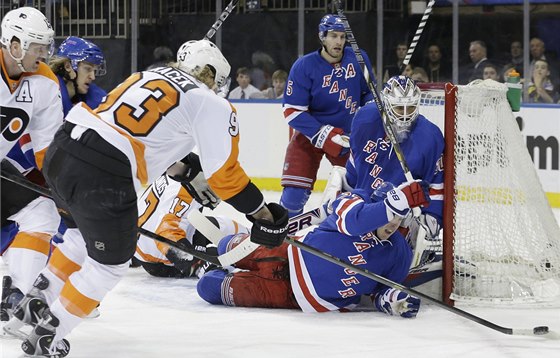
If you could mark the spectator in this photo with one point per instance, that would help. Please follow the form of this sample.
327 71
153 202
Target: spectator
162 56
538 52
263 65
419 75
516 56
395 69
408 70
490 71
279 78
245 88
437 70
541 88
477 54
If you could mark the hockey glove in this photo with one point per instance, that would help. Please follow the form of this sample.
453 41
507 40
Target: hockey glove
417 193
270 234
185 263
392 302
193 180
332 141
396 204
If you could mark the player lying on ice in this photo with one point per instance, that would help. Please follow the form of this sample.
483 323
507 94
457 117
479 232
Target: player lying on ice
361 230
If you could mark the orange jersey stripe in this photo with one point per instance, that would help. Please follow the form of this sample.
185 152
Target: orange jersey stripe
169 228
230 179
76 302
61 265
36 241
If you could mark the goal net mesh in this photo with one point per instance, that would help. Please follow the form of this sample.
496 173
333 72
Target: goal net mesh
504 237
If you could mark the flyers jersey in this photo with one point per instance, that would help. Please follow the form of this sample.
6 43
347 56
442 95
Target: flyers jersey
30 105
157 117
163 209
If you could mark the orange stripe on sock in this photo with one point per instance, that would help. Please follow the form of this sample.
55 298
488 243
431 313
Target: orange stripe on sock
36 241
61 265
76 302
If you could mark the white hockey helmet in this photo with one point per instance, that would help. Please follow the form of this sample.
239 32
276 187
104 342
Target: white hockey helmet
195 54
401 99
29 25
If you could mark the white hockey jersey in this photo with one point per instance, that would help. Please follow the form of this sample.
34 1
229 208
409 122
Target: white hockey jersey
32 105
157 117
163 209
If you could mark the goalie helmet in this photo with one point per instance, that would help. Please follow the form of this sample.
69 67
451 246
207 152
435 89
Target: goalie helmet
195 54
330 23
29 25
401 99
77 50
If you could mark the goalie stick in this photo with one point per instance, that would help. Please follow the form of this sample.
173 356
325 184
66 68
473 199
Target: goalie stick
539 330
223 16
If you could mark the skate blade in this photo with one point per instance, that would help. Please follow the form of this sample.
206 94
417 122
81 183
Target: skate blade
15 329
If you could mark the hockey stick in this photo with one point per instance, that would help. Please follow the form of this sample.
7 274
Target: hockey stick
376 98
416 37
223 16
540 330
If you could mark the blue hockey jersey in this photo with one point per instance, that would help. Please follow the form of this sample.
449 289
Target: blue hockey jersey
372 160
319 93
348 233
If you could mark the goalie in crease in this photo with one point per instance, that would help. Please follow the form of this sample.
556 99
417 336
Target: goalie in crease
361 229
372 161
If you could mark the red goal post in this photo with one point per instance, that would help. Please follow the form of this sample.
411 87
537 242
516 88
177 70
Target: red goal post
501 242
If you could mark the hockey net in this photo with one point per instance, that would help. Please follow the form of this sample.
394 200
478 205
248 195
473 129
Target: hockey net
501 242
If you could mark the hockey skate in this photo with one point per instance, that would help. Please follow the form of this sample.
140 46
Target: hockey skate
40 342
11 296
29 310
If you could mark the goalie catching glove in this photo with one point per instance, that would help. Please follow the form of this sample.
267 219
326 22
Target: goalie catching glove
332 141
270 234
395 302
189 173
407 196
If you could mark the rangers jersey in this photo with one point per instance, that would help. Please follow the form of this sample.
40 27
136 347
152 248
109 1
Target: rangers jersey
319 93
157 117
372 160
30 105
348 233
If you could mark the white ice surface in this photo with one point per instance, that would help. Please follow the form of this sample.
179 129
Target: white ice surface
150 317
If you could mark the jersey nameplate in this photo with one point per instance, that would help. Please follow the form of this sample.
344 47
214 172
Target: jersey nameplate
176 76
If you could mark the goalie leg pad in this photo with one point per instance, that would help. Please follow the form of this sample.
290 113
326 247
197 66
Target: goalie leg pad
294 199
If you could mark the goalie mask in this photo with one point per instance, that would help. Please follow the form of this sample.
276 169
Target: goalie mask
30 26
195 54
330 23
77 50
401 99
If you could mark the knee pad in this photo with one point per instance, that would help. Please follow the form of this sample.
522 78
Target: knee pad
209 287
294 199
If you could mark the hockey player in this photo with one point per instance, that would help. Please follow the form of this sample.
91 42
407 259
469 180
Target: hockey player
359 229
324 90
100 159
31 110
163 209
76 64
372 160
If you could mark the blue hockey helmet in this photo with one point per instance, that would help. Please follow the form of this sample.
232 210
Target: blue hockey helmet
328 23
401 98
77 50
